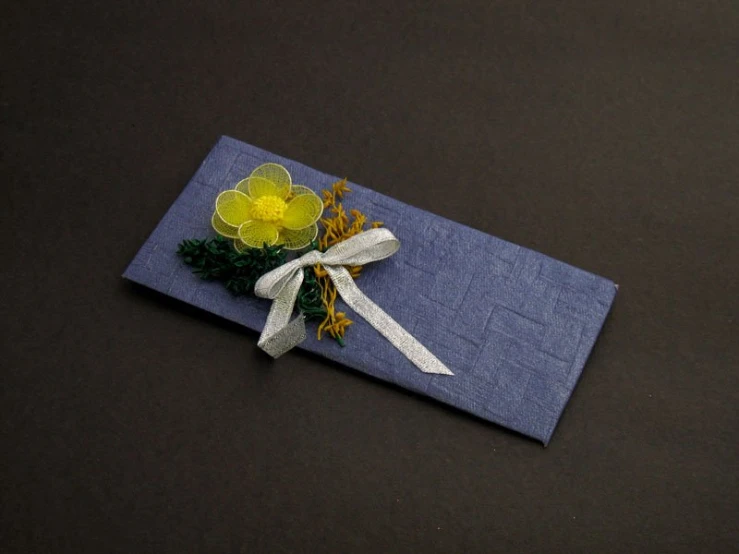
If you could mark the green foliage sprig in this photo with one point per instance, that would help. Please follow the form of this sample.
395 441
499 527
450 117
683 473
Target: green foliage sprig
309 299
217 260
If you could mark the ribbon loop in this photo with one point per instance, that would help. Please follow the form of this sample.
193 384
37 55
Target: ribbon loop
281 285
370 246
271 284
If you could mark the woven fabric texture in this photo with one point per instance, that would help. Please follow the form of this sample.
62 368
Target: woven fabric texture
515 326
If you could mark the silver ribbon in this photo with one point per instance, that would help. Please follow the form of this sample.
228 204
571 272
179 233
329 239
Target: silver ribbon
281 285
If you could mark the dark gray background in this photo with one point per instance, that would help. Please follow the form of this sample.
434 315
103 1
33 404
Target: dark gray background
603 134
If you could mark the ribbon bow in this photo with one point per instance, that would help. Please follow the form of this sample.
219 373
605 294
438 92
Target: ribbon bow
281 285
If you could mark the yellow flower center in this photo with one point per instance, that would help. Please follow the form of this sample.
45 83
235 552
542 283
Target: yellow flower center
268 208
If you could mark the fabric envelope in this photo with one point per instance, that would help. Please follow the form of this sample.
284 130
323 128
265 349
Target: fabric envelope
515 326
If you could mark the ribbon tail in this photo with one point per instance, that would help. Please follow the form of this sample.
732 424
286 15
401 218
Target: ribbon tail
384 324
280 334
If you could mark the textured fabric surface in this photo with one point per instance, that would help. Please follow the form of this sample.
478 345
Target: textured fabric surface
515 326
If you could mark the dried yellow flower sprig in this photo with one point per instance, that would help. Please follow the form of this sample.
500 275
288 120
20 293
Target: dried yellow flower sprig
338 227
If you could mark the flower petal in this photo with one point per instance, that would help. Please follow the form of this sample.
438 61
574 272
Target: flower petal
233 207
299 190
255 234
275 173
259 186
223 228
295 240
243 186
302 211
239 245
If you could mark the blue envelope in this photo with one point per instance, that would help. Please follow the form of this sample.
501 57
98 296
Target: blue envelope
514 326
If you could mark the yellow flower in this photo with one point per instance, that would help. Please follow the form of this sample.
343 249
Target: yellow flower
267 208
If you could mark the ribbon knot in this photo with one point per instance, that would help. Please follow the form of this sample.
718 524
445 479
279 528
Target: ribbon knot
281 285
